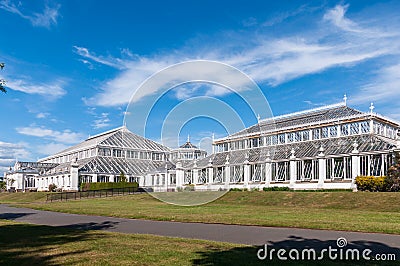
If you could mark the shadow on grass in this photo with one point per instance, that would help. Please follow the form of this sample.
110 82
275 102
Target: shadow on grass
248 255
25 244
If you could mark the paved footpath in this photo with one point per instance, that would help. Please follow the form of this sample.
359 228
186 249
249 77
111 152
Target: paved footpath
251 235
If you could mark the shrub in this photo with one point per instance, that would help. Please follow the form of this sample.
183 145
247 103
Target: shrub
276 189
189 188
393 175
52 187
372 183
107 185
235 189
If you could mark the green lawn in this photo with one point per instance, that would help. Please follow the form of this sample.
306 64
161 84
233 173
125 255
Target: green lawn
26 244
361 211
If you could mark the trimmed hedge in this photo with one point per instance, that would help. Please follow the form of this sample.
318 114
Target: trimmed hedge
107 185
276 189
372 183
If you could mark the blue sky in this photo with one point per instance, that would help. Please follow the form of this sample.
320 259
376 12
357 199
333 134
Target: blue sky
72 66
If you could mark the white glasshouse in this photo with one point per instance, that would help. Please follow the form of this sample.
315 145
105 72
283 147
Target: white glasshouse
319 148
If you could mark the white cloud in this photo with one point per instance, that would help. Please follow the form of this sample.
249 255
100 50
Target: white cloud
266 60
84 52
42 115
9 152
337 17
382 88
52 148
46 18
66 136
51 90
101 121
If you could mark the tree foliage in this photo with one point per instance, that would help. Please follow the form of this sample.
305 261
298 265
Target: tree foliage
2 81
122 177
393 174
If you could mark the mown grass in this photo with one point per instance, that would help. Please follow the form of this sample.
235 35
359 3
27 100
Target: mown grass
27 197
361 211
26 244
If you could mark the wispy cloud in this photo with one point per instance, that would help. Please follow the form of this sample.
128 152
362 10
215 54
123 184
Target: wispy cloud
42 115
110 61
384 87
101 121
51 90
66 136
336 16
9 152
267 60
46 18
52 148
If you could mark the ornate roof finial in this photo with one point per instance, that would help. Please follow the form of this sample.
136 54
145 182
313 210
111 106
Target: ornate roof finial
292 154
372 107
213 137
258 118
188 138
345 99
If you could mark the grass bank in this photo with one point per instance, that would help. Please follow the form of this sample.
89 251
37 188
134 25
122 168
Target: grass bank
361 211
26 244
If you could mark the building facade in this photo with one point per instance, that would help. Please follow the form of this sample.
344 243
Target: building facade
323 148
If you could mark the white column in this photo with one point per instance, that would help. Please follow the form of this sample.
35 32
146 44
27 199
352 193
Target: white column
210 172
179 175
74 176
227 174
246 174
355 164
195 174
112 178
142 180
268 172
321 168
166 179
293 170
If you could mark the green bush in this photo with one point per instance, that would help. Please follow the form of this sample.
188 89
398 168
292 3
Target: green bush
325 190
276 189
3 185
107 185
235 189
52 187
189 187
372 183
393 175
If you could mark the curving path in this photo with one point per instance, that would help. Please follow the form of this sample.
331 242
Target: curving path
250 235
